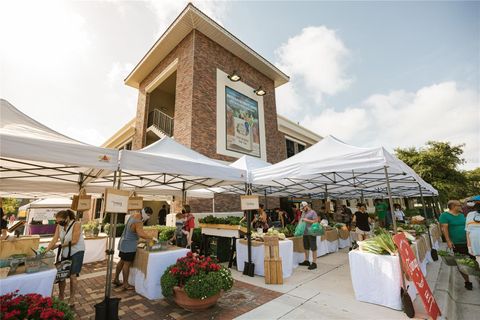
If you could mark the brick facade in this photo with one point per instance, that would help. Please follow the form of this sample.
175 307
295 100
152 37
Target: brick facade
196 106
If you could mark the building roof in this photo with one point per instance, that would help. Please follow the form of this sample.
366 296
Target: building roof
191 18
296 131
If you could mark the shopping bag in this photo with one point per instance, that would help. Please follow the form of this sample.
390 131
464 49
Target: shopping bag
300 229
63 270
316 229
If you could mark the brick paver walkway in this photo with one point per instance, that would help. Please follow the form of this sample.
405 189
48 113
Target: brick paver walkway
242 298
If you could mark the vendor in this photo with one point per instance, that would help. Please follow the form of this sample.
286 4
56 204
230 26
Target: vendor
3 225
128 245
261 220
72 246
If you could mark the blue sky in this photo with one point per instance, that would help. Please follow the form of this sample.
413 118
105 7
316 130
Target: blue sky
372 73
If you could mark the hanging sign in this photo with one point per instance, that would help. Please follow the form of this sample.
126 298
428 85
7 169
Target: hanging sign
135 203
81 202
249 202
116 200
410 265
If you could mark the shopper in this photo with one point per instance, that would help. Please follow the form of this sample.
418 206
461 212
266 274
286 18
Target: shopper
261 220
398 212
473 228
347 215
309 242
189 224
361 220
162 216
453 227
181 234
72 247
128 245
3 225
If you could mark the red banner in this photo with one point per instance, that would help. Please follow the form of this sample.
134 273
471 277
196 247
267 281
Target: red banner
410 266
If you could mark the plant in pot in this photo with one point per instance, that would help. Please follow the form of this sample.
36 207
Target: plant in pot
195 282
87 229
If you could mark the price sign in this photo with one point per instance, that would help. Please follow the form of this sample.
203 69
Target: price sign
116 200
410 266
249 203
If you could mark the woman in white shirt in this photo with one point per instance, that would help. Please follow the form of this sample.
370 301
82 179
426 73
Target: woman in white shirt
72 243
399 214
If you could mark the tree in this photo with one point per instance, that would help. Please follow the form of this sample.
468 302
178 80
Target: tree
437 163
10 206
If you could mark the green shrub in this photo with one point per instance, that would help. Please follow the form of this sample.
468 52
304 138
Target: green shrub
168 281
203 285
64 307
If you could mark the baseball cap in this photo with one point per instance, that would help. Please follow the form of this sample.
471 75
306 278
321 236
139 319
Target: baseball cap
303 204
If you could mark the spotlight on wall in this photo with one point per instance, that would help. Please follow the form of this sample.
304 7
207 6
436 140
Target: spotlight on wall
260 91
234 76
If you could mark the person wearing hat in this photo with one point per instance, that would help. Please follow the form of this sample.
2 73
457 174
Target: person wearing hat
472 227
309 242
128 245
453 227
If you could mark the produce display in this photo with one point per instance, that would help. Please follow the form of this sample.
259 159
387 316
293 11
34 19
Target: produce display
230 220
381 244
270 233
412 228
417 219
164 233
288 230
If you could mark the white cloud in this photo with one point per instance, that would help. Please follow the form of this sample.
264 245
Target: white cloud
441 112
316 60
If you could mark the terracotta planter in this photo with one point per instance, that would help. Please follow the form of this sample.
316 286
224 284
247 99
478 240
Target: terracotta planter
180 297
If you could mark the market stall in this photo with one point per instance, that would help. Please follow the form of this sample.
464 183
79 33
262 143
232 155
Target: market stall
148 268
328 243
286 253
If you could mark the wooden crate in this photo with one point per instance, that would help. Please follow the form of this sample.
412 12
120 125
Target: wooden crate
23 245
272 261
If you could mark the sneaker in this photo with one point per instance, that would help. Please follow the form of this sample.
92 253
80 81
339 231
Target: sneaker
468 285
312 266
304 263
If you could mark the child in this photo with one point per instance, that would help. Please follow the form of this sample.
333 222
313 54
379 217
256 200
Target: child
180 235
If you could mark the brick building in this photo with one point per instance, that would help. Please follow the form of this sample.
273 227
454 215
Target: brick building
211 92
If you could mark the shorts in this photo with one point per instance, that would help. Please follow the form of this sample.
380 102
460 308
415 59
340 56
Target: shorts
127 256
310 242
462 249
77 263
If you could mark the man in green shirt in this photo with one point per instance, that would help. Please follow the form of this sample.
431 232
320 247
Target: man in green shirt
381 211
453 227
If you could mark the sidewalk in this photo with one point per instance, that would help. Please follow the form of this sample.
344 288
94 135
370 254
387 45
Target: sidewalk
326 293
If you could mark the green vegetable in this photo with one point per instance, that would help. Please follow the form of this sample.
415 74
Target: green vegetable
380 244
468 262
230 220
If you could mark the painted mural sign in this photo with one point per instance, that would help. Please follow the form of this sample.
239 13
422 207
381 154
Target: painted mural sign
242 124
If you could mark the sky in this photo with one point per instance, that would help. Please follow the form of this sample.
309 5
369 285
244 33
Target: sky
396 74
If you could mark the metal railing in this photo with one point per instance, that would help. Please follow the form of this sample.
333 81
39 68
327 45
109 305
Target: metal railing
161 121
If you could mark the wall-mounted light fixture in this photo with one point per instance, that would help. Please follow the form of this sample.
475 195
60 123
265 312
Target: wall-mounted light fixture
234 76
260 91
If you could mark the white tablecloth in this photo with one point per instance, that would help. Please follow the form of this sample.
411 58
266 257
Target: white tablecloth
39 282
158 262
286 253
377 279
344 243
323 247
95 250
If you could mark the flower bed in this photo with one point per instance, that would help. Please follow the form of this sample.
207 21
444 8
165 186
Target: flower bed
33 306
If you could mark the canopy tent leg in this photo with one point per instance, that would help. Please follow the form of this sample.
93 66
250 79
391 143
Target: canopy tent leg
433 252
390 200
362 199
249 267
184 194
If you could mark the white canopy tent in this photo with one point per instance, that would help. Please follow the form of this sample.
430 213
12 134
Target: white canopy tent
168 166
332 167
37 159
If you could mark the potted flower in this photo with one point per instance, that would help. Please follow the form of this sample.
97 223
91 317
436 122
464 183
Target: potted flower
196 282
95 228
33 306
87 229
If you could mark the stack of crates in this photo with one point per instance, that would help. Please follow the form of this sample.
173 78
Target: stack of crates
272 261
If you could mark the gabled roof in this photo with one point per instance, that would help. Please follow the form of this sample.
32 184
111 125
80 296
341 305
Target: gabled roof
190 19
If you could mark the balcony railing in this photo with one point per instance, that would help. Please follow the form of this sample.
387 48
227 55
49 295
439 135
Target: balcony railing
161 121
